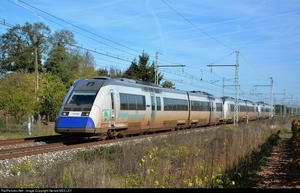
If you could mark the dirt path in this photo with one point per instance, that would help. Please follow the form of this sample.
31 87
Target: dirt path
279 171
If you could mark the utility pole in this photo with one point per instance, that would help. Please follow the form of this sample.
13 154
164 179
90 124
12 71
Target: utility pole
287 104
223 86
156 67
297 107
236 94
284 106
271 96
36 74
254 93
283 100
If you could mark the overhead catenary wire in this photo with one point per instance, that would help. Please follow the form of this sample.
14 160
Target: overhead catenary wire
116 56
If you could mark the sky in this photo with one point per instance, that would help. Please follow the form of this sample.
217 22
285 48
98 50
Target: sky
206 45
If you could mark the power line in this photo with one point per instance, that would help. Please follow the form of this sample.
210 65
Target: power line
80 27
111 55
5 23
209 36
197 26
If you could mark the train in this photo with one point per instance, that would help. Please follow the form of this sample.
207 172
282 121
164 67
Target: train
118 107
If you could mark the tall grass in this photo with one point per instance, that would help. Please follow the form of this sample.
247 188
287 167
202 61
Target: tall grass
218 158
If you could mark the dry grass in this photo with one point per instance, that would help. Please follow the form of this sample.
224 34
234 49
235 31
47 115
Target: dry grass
220 158
19 131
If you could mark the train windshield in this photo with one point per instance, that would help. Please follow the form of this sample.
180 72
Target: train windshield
82 97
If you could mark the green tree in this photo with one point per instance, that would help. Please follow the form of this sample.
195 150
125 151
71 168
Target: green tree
102 72
142 69
18 46
115 73
50 94
62 60
17 95
168 84
132 71
112 72
87 66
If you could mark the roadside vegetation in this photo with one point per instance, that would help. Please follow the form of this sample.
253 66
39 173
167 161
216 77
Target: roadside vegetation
220 158
21 131
39 66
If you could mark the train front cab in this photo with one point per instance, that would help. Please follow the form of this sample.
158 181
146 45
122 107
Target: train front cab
74 117
228 110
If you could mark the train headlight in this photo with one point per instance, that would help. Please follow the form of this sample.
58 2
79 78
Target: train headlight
85 114
65 113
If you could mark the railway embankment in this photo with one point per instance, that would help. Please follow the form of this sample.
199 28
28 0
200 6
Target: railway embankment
281 170
219 158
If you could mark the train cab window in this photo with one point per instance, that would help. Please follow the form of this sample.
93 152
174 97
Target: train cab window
82 97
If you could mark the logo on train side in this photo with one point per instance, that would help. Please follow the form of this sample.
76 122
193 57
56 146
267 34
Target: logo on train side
132 116
105 114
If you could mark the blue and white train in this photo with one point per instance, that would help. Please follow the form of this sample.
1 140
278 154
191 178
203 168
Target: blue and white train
117 107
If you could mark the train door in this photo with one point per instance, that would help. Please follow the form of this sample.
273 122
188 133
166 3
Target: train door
211 111
153 110
112 107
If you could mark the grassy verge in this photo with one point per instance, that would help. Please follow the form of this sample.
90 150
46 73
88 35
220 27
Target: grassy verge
21 131
220 158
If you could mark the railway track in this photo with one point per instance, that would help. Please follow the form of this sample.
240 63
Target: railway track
9 151
31 140
14 148
40 149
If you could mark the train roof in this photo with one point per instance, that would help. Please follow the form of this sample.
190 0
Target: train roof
156 88
202 93
146 86
128 80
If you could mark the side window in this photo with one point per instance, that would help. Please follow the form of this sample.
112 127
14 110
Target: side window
123 101
166 106
172 104
140 102
132 102
152 103
158 103
231 107
219 106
